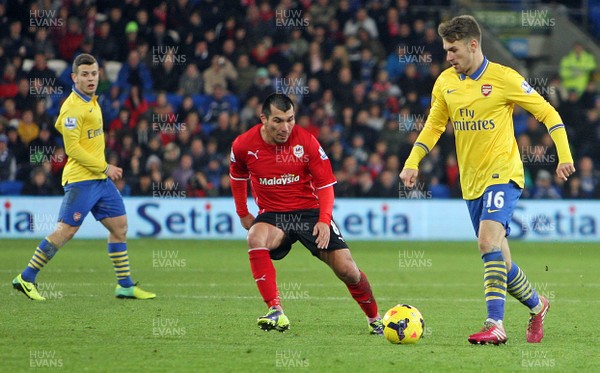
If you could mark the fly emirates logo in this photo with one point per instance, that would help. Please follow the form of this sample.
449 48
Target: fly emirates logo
282 180
469 123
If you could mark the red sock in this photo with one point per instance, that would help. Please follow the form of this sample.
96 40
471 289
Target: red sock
362 294
263 272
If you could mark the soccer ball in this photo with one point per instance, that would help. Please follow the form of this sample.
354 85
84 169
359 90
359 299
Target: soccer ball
403 324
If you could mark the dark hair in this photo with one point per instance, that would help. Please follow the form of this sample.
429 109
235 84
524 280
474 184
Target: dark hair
83 59
460 28
279 100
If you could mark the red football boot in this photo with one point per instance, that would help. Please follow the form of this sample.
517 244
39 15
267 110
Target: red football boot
490 333
535 328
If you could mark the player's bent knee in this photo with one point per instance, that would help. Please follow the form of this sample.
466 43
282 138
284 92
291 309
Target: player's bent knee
347 271
63 234
487 245
255 241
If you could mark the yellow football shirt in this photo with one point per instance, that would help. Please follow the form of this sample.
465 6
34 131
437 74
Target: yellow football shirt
480 108
80 123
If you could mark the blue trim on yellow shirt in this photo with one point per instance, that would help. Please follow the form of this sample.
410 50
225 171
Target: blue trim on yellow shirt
555 127
479 72
81 95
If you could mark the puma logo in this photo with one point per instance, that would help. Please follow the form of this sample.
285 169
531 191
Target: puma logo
255 154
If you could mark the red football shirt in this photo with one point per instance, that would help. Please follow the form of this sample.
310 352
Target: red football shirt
283 177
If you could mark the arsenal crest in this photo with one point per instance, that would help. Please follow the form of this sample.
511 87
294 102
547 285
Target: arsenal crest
486 89
298 151
76 216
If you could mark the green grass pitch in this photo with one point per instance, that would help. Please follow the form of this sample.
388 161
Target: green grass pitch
204 317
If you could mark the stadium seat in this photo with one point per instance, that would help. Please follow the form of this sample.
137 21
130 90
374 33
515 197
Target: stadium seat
27 65
11 188
58 66
234 101
201 102
175 100
111 68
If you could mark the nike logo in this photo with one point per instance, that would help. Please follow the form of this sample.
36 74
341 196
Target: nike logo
91 110
27 288
490 211
255 154
451 90
261 278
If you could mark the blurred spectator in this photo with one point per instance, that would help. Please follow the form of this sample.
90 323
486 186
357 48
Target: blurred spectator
143 187
166 74
42 147
16 146
8 85
117 22
90 22
15 43
190 82
184 172
246 74
110 103
544 189
344 187
71 41
106 46
122 122
213 171
201 56
365 187
8 162
588 177
136 103
376 119
171 158
58 161
223 134
573 114
142 21
39 184
321 12
387 185
134 72
220 73
40 70
576 68
198 154
262 85
298 44
132 40
361 20
224 189
374 45
28 130
358 150
217 105
24 100
199 186
572 189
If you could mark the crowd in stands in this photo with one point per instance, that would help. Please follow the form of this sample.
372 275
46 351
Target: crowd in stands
181 79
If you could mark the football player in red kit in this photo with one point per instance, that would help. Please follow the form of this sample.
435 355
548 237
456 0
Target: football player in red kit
292 183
